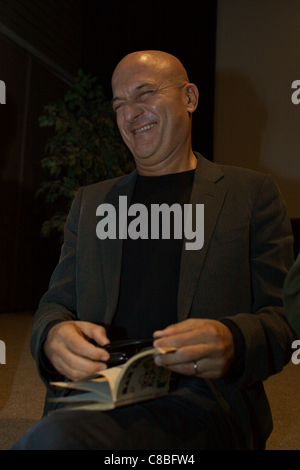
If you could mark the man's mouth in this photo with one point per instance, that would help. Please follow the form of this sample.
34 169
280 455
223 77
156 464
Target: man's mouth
145 128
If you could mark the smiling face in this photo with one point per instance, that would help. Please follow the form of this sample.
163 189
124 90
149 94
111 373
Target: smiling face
154 101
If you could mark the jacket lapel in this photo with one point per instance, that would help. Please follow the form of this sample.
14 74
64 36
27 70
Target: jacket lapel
205 191
111 254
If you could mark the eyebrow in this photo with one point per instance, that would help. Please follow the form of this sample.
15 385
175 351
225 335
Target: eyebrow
139 87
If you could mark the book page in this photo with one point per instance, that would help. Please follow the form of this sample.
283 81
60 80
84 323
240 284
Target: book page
96 384
99 385
136 380
142 377
86 397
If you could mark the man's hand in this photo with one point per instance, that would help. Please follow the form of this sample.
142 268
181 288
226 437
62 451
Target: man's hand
68 349
205 348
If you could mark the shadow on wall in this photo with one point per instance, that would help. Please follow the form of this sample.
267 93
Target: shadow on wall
241 118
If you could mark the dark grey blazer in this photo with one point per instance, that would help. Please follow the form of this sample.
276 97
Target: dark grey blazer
238 274
291 296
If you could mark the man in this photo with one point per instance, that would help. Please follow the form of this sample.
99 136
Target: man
221 306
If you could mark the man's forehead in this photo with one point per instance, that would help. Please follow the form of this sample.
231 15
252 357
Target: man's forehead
151 62
121 91
134 68
136 62
133 82
138 70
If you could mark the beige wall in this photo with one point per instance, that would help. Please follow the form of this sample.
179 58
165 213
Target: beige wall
258 58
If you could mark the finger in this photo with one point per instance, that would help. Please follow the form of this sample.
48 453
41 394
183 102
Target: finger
206 372
95 332
183 338
210 363
196 331
178 328
80 346
207 368
77 375
186 355
189 370
84 349
84 363
76 367
68 349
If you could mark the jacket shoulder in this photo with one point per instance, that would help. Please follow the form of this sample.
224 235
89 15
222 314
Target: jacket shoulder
217 172
101 189
246 180
243 172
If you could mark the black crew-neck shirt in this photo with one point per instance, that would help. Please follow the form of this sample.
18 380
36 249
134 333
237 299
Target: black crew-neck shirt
151 267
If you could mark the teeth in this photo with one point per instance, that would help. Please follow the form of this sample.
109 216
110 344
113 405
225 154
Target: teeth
145 128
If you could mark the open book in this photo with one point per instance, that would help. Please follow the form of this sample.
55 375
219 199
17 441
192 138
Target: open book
137 380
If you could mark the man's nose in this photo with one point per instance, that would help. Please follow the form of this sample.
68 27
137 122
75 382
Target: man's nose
132 112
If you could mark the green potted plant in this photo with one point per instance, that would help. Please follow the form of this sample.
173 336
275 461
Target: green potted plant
86 147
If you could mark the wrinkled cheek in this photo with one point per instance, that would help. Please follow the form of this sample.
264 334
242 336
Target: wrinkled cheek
125 138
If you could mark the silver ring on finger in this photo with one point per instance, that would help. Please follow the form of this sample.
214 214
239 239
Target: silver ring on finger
195 368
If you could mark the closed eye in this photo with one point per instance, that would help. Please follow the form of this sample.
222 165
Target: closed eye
145 94
117 107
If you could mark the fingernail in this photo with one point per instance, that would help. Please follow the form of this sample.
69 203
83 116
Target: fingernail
158 361
157 334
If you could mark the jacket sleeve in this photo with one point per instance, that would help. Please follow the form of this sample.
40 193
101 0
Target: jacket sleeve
59 302
266 332
291 296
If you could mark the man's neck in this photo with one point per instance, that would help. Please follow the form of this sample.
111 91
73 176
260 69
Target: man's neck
169 167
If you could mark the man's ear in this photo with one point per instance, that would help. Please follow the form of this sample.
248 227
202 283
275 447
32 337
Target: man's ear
192 97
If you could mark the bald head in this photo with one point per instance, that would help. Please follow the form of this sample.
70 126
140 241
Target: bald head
167 65
154 103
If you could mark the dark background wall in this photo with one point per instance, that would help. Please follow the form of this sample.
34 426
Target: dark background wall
25 258
185 29
53 27
42 45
